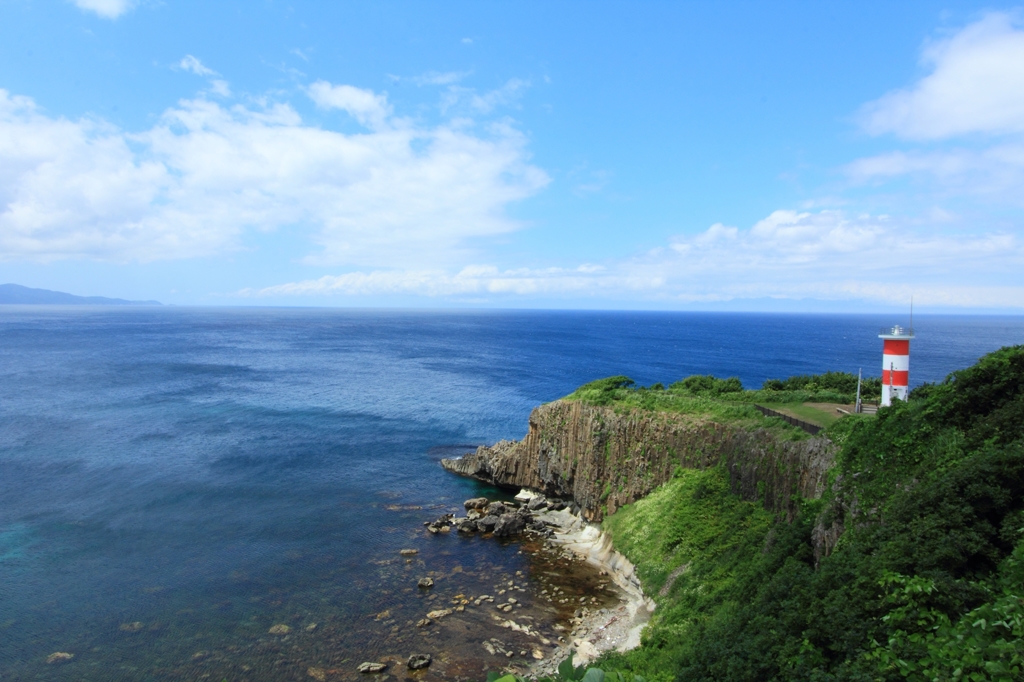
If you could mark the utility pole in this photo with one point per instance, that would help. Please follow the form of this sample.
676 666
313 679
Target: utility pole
856 406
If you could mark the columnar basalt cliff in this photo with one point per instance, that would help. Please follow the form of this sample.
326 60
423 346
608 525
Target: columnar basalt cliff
604 458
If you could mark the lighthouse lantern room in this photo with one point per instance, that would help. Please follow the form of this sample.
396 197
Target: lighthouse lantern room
895 362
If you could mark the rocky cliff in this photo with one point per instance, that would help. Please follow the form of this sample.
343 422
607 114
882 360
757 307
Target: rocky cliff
604 458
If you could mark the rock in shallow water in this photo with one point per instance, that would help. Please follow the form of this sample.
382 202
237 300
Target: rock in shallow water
372 667
476 503
439 614
59 657
419 661
280 629
425 582
487 523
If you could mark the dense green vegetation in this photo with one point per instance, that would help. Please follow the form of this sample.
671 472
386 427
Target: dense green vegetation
911 567
926 581
837 382
691 517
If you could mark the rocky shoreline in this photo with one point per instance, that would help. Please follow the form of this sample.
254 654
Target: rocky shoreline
618 628
562 530
500 519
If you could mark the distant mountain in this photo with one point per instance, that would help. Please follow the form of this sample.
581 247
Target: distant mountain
15 293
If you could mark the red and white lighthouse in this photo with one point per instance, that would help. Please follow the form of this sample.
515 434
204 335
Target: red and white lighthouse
895 362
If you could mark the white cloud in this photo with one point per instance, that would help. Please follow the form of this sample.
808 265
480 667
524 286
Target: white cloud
506 94
366 106
969 110
835 256
190 63
220 87
206 174
439 78
789 254
472 279
976 85
790 245
108 9
467 100
995 173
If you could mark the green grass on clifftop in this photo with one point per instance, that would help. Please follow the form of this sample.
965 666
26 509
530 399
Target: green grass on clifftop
620 393
831 387
809 412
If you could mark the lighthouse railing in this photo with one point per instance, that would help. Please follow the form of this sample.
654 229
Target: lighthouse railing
896 331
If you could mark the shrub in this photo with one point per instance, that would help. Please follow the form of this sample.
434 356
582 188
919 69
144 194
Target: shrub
603 391
843 383
706 384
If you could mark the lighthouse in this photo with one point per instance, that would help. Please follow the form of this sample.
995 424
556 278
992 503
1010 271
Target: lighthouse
895 362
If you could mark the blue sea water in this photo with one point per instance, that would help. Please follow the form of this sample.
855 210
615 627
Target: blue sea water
173 482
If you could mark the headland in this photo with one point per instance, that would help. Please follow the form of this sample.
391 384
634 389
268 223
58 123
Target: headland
774 554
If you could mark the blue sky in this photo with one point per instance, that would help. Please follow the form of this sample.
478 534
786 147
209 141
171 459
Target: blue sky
659 155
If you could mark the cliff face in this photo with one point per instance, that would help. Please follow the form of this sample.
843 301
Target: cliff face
603 459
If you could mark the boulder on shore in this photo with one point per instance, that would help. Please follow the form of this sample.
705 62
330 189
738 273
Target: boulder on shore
509 525
497 509
476 503
525 495
538 502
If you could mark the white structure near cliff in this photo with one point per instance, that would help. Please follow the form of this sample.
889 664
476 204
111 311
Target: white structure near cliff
895 362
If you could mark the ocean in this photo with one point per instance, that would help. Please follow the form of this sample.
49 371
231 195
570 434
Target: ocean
174 482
